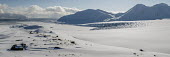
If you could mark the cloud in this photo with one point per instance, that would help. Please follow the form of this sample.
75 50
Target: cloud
35 11
115 12
71 10
34 8
55 9
3 6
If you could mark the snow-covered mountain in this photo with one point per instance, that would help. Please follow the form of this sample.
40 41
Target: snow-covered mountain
142 12
11 16
87 16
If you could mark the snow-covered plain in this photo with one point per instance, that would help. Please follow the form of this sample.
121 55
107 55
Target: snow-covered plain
151 36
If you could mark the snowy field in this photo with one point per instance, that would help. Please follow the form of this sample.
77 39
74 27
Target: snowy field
116 39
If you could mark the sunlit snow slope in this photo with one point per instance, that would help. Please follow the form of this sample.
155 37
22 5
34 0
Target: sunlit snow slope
79 41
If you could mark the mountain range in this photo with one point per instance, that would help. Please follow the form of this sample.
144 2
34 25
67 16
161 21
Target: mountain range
142 12
138 12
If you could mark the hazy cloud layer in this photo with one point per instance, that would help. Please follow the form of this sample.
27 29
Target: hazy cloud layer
35 11
2 6
115 12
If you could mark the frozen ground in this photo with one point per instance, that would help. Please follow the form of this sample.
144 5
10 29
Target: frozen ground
152 36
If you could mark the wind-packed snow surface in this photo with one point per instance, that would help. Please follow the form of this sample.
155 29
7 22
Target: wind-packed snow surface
106 39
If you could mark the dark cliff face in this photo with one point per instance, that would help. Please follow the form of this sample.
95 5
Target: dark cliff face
142 12
86 16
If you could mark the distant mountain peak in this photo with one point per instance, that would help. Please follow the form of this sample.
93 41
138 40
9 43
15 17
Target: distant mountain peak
87 16
93 10
89 10
142 12
160 5
140 5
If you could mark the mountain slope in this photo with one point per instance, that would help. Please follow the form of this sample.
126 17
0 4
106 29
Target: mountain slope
86 16
142 12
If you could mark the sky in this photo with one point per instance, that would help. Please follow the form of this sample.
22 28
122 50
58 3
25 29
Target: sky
109 5
46 8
